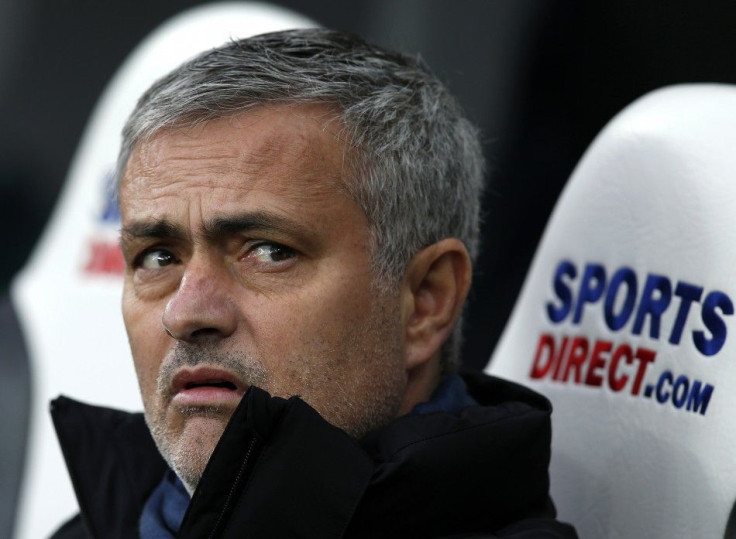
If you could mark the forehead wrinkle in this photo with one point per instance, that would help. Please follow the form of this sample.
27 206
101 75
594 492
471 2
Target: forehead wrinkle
178 145
288 150
151 228
264 166
171 155
298 163
253 221
290 154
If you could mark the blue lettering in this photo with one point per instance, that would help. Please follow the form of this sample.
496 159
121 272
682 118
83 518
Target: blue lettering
111 211
688 293
564 293
714 323
697 396
622 276
699 399
591 288
679 391
661 395
654 301
642 308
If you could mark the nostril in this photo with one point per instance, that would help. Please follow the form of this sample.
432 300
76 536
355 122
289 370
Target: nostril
205 332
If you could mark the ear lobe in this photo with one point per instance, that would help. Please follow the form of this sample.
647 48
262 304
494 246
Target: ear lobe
435 285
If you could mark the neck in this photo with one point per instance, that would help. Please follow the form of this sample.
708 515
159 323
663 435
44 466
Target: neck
421 383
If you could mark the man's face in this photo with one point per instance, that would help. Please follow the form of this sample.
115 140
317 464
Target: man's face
247 264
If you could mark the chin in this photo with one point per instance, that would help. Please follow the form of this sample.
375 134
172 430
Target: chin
188 451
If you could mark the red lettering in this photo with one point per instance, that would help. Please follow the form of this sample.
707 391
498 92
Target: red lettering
576 358
105 258
615 382
645 357
597 363
567 363
541 365
547 356
560 355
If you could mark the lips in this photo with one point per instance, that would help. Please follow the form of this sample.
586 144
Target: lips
206 386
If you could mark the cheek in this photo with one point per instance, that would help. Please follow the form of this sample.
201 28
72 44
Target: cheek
308 319
319 330
147 341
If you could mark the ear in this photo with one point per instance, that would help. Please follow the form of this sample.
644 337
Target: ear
434 288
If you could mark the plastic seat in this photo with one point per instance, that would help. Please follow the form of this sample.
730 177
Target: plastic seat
626 322
67 298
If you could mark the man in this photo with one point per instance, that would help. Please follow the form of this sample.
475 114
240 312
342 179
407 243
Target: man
299 216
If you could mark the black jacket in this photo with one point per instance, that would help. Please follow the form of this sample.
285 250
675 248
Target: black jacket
281 471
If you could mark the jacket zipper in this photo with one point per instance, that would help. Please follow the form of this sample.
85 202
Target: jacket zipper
238 479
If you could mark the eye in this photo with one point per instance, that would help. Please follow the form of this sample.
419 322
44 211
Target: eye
271 252
155 259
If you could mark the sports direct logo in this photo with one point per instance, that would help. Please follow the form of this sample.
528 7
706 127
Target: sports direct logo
635 305
103 255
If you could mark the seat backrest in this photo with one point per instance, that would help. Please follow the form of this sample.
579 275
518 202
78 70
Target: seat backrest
626 322
67 297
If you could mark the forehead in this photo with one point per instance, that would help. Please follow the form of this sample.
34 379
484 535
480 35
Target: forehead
292 150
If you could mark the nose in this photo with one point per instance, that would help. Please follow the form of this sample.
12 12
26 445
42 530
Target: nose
200 307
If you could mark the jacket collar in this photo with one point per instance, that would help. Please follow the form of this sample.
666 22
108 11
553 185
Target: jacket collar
480 468
113 463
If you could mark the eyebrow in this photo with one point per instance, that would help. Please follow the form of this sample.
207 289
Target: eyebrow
214 229
252 221
156 228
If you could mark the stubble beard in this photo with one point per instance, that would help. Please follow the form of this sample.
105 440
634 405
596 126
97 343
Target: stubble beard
187 448
358 389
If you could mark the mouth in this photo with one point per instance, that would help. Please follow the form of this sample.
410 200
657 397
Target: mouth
206 386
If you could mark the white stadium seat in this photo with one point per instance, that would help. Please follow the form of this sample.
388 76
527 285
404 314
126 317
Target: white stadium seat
67 297
626 322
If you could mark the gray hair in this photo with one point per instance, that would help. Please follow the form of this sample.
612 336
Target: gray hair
416 161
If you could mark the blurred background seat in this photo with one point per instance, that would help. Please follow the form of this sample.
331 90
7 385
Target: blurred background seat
15 397
67 296
626 322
